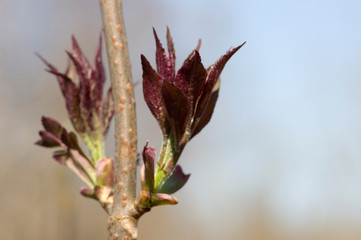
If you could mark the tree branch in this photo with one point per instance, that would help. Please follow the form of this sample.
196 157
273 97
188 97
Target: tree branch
122 222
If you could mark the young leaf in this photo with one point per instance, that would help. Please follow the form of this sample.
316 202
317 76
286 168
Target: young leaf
175 182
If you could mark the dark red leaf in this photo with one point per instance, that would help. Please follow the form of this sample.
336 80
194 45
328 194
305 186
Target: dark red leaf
72 101
178 109
214 72
79 56
86 102
203 120
53 70
171 53
198 47
71 94
108 111
165 64
98 76
152 85
191 78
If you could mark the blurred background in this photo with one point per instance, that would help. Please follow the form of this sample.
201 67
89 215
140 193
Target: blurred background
280 160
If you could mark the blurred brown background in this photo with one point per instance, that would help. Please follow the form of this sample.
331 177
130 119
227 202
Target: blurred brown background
280 159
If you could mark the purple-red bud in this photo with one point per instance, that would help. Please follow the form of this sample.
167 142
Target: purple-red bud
182 101
147 171
104 172
82 87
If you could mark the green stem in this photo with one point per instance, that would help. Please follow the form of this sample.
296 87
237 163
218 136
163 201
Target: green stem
96 147
98 151
95 141
164 158
166 162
